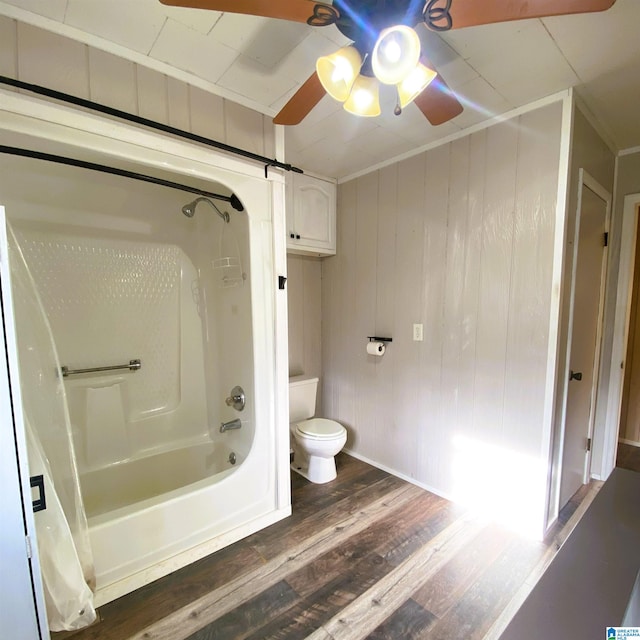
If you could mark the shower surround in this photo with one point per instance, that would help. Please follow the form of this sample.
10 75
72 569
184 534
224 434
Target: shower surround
123 276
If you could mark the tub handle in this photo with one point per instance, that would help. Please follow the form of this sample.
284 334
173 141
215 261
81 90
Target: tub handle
236 399
233 424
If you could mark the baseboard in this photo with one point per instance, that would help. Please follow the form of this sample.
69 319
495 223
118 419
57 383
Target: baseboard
633 443
398 474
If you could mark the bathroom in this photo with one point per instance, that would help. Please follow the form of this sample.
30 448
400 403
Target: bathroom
373 283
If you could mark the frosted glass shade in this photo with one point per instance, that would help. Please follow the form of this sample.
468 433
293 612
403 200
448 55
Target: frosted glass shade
337 72
364 99
414 83
395 54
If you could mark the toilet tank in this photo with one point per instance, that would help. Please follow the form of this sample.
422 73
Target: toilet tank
302 397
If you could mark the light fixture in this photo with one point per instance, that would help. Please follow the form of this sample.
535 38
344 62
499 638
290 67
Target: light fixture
395 54
394 60
337 72
414 83
363 99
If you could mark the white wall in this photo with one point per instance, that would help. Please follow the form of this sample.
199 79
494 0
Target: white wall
304 298
304 295
628 179
460 239
37 56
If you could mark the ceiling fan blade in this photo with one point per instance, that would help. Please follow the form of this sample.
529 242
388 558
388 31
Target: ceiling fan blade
302 101
468 13
438 103
308 11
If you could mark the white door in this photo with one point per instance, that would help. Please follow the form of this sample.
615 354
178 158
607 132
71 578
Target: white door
588 296
22 614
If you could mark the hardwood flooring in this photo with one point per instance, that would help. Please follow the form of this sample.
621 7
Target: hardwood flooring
365 556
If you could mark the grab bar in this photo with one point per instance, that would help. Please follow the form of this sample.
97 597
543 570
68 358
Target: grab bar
133 365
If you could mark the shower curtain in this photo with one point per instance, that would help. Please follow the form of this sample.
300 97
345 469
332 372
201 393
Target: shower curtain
66 560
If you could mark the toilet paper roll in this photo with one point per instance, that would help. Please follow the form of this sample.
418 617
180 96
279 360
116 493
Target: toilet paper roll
376 348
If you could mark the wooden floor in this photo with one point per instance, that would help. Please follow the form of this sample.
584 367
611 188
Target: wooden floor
365 556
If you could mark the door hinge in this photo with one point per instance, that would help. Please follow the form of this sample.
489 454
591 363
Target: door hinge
606 238
588 444
29 548
281 282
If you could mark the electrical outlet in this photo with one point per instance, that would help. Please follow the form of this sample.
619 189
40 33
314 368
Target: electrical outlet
417 333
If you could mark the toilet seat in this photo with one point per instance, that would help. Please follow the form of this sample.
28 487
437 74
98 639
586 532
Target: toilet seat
320 429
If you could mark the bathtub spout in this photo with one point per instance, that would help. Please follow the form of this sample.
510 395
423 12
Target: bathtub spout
233 424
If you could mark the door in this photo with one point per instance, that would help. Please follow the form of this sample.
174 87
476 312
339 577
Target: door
588 297
21 611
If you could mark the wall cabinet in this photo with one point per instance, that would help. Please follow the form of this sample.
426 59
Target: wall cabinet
311 215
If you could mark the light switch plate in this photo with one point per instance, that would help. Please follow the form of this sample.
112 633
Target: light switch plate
417 333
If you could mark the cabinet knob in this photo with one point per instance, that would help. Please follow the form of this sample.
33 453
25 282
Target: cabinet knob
297 236
292 235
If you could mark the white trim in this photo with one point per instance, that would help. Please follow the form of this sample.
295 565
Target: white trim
279 137
281 324
514 113
397 474
53 26
588 181
553 368
621 321
633 443
629 152
584 180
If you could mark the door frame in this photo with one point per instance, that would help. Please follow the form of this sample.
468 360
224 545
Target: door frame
585 179
622 318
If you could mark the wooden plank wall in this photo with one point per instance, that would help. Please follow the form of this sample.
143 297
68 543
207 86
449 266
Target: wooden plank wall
460 239
589 152
304 298
37 56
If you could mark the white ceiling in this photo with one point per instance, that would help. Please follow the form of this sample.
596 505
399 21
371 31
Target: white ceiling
261 62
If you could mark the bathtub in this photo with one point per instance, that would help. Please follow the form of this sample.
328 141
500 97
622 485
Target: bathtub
157 533
161 485
124 484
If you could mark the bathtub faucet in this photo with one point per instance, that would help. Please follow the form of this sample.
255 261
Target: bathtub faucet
233 424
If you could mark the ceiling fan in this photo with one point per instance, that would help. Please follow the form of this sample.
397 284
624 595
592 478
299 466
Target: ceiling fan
385 46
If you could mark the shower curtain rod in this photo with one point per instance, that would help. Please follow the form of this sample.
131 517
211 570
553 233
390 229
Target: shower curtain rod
233 200
101 108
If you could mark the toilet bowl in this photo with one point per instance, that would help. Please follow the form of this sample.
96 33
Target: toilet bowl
315 441
318 440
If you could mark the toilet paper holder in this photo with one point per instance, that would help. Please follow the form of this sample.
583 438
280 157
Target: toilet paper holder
379 339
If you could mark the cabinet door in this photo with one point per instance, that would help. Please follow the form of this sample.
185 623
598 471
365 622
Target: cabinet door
312 221
22 615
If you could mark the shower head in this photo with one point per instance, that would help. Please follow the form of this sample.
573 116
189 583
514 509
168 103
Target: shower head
189 209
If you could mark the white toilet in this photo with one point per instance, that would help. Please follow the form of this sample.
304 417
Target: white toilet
315 440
